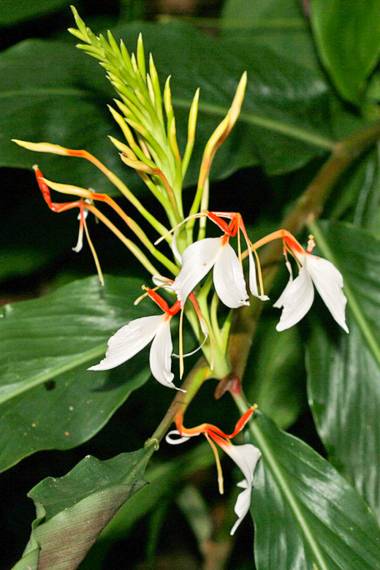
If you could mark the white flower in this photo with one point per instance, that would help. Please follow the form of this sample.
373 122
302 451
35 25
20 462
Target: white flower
246 457
135 336
200 257
298 294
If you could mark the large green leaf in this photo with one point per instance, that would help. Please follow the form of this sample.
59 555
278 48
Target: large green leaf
347 35
274 377
13 12
165 481
306 515
73 510
344 370
279 24
47 397
50 91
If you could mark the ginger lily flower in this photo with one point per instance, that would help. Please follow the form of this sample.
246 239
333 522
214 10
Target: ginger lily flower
245 456
314 271
200 257
137 334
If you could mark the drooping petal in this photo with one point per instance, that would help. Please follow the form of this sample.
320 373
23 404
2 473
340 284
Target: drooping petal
128 341
246 457
160 358
329 282
174 437
229 278
197 260
296 300
253 279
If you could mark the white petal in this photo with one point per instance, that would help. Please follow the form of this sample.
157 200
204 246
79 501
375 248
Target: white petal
128 341
174 437
246 457
197 260
296 300
160 358
329 282
253 279
229 278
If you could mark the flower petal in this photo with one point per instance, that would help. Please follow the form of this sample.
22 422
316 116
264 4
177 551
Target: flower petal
160 358
253 279
197 260
329 282
229 278
296 300
174 437
128 341
246 457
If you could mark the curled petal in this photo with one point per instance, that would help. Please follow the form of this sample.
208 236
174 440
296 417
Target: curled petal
197 260
174 437
160 358
229 278
128 341
328 282
296 300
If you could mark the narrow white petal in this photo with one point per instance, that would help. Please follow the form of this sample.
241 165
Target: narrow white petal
253 279
128 341
229 278
197 260
174 437
296 300
160 358
246 457
329 282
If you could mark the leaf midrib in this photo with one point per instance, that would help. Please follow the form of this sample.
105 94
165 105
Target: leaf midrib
276 471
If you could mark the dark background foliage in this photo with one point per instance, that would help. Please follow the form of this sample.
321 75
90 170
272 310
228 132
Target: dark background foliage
297 106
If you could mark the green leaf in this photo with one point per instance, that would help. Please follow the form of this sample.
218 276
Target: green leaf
14 12
278 24
306 515
347 35
165 480
72 510
344 370
48 399
274 376
50 91
367 207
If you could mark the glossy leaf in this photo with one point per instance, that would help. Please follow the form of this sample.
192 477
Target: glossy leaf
344 370
275 374
306 515
14 12
165 481
279 24
72 510
48 399
347 35
52 92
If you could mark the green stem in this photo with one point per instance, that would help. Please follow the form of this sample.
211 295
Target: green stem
195 379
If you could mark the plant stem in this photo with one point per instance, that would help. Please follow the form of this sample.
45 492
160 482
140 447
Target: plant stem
194 380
